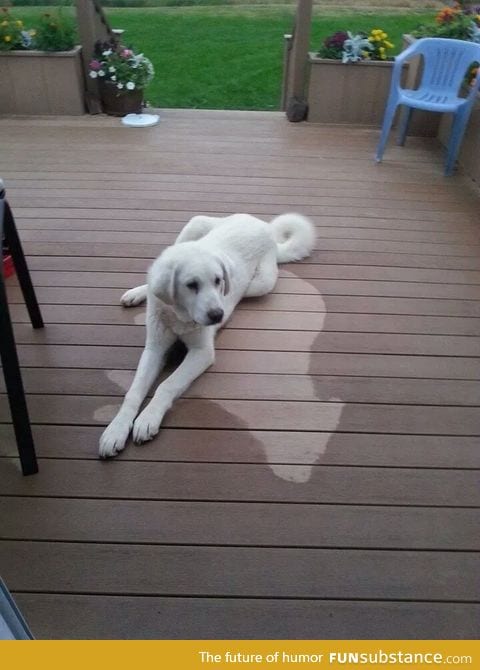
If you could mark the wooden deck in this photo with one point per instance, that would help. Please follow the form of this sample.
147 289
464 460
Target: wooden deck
321 480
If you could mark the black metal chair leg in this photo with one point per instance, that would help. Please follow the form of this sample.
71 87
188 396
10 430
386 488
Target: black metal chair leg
21 268
15 391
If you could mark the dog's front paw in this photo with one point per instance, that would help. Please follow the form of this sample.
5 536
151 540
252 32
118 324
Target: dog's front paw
134 296
114 438
146 425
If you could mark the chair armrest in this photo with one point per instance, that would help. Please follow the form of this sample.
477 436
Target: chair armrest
410 51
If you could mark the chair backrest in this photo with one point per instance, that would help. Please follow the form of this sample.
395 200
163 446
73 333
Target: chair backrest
446 61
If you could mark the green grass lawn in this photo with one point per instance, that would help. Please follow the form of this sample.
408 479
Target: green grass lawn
225 58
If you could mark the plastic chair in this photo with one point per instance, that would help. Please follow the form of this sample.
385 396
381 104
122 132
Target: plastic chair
445 63
8 350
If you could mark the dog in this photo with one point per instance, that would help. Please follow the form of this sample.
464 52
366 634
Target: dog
193 288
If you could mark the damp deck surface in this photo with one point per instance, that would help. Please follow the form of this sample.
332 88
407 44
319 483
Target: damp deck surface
321 479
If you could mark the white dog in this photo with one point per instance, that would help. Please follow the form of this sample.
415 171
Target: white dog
193 288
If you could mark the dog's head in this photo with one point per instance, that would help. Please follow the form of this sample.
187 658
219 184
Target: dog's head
193 281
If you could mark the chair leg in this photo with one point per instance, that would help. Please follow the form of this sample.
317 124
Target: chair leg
21 267
456 136
386 127
403 125
15 391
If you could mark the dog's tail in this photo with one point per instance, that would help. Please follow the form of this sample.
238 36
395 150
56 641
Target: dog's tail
294 235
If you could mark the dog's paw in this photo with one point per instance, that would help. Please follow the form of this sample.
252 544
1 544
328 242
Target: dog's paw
146 425
114 438
134 296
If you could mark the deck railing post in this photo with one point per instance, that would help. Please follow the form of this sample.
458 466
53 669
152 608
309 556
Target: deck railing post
92 26
295 77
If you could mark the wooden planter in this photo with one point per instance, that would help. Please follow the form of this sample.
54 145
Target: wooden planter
40 82
352 93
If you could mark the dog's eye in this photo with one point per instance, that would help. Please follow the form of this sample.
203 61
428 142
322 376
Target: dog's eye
217 281
193 286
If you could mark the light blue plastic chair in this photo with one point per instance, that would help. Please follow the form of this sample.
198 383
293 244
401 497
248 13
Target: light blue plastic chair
445 63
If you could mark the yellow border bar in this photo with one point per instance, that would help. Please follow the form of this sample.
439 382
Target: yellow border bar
237 654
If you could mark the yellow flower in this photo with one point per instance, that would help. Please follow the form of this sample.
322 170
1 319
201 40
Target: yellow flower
389 45
19 24
7 38
4 23
33 33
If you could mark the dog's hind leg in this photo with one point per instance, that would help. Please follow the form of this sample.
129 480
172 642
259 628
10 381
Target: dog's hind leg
134 296
265 276
197 228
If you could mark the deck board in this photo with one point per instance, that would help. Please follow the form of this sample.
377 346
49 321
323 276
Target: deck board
322 479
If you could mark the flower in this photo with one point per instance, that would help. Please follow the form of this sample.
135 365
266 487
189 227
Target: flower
121 67
447 15
7 38
26 39
352 48
93 74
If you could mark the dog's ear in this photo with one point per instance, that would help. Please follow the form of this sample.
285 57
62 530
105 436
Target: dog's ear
164 281
226 277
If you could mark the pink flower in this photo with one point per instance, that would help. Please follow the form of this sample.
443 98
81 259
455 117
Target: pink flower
95 65
126 53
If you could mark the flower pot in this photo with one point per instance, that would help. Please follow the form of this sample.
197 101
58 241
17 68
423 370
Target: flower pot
348 93
41 82
120 103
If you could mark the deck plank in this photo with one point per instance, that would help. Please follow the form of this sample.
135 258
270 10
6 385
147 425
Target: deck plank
237 445
256 483
244 524
94 617
240 571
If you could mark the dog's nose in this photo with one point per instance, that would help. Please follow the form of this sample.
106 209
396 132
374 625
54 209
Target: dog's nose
215 315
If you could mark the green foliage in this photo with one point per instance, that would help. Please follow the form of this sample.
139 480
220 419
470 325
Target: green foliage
13 34
459 28
54 33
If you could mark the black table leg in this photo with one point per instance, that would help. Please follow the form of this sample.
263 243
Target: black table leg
15 391
21 268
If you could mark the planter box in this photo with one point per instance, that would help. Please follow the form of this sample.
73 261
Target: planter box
352 93
40 82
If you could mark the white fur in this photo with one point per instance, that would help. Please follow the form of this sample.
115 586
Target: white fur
214 263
